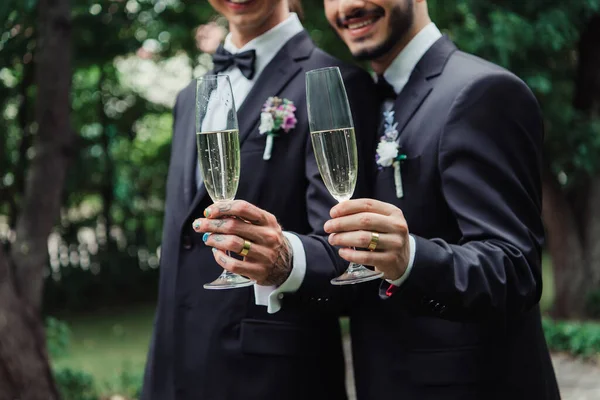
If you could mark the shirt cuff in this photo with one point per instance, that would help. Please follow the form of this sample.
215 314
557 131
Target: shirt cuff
271 296
412 247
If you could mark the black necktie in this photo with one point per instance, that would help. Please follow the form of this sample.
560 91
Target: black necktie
222 60
384 89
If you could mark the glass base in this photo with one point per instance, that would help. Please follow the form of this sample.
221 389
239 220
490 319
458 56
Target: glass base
356 274
227 280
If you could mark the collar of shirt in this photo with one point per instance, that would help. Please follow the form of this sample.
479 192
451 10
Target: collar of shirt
269 43
399 71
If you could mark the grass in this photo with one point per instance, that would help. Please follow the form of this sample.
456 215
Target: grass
109 343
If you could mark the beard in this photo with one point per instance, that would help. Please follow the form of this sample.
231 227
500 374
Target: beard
400 23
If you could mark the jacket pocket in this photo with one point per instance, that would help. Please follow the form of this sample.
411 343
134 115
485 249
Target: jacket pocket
275 338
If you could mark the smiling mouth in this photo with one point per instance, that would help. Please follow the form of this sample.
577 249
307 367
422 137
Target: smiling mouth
240 1
360 27
361 24
361 21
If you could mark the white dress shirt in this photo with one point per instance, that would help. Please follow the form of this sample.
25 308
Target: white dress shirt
397 75
266 47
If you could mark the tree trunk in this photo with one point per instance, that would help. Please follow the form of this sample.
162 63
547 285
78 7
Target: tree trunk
592 235
54 143
26 137
24 369
573 220
565 249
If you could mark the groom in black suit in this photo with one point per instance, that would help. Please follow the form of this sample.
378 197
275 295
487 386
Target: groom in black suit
454 221
218 344
456 225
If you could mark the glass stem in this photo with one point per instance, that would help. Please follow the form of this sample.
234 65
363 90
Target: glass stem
353 266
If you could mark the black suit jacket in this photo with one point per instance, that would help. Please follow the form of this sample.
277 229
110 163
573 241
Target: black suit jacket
218 345
466 323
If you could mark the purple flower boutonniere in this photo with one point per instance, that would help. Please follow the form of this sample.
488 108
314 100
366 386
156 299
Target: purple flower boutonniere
277 115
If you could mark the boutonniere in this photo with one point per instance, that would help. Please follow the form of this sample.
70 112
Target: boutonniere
389 152
277 115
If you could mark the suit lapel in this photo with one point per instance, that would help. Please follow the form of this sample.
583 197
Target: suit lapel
271 82
422 81
410 99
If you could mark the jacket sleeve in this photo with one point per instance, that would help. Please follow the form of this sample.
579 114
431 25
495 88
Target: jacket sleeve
322 260
489 167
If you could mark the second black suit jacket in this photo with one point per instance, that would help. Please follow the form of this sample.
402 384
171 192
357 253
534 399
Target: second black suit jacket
466 323
218 345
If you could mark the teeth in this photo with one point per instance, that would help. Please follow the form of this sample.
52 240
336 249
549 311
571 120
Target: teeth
361 24
240 1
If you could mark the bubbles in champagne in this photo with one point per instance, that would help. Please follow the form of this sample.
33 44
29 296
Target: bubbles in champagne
219 158
335 151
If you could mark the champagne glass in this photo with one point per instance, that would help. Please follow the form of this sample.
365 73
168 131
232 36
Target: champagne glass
217 137
334 144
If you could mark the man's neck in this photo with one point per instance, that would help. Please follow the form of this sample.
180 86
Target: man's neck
240 36
381 64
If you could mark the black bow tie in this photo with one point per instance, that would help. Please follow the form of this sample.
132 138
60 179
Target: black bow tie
384 89
222 60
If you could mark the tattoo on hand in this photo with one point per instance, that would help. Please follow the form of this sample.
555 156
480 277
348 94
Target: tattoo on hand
283 266
218 238
222 259
217 223
224 207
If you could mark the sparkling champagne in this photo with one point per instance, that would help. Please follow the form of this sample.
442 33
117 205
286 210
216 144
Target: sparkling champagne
335 151
219 158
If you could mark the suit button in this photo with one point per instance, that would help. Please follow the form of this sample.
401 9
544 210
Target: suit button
186 242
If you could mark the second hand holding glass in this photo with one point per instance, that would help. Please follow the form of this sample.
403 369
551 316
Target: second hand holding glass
334 144
217 138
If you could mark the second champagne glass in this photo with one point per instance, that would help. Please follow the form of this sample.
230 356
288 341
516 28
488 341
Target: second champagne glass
217 137
334 144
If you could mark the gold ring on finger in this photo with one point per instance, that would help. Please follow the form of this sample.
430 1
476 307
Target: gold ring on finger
245 249
374 241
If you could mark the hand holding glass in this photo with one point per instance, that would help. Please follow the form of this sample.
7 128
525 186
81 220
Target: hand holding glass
217 137
334 144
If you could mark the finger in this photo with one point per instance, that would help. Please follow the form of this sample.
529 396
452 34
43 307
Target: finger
367 222
362 239
223 242
245 268
362 205
239 209
257 253
379 260
231 226
386 262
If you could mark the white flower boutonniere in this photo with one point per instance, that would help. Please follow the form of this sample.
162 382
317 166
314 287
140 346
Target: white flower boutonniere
389 151
277 115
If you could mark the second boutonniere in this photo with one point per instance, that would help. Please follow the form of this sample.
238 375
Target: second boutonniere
277 115
389 152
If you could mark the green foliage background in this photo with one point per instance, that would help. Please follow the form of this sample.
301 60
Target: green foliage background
122 154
